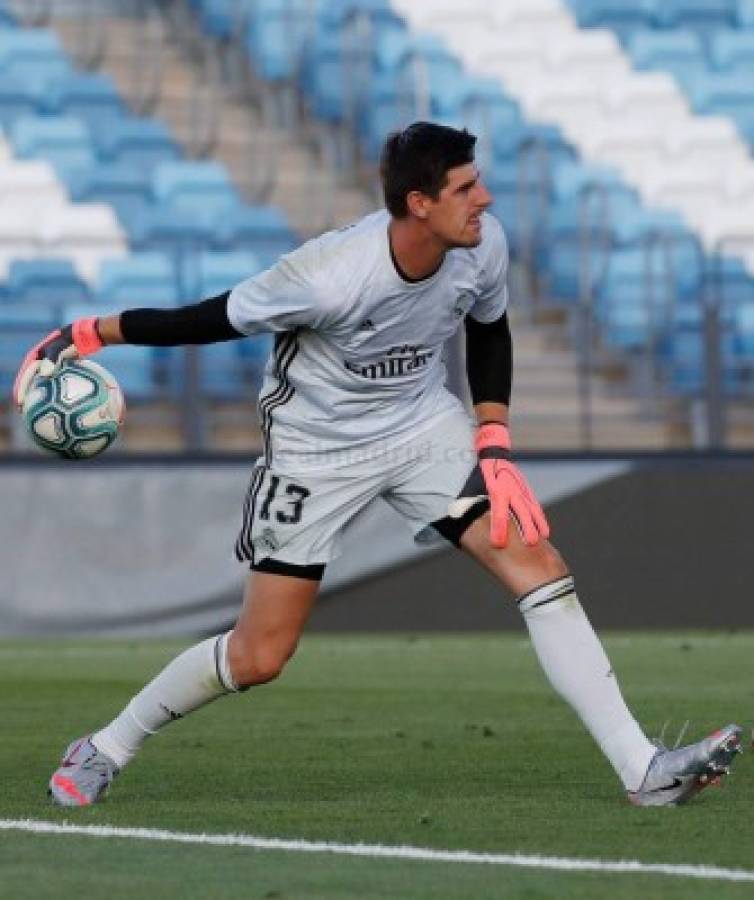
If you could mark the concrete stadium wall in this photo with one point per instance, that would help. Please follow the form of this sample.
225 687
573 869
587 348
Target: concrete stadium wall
146 549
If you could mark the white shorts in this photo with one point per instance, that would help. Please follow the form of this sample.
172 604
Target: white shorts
297 518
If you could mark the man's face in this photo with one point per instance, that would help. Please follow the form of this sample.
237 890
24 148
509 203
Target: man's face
455 217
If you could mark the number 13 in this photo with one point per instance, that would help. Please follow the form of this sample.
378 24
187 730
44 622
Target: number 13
297 494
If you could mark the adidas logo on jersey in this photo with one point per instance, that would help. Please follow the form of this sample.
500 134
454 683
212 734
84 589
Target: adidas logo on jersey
367 325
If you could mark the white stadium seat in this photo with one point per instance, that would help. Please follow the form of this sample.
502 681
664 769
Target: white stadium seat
86 233
31 183
583 82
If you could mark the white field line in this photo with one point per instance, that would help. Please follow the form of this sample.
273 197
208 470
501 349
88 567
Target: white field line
379 851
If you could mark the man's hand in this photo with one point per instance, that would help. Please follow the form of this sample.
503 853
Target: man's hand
81 338
507 489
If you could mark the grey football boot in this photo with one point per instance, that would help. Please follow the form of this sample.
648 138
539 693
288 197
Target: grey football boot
675 776
84 775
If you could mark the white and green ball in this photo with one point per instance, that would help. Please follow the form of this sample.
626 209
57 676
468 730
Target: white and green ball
75 413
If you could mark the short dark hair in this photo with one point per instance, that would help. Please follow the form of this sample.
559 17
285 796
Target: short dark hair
418 159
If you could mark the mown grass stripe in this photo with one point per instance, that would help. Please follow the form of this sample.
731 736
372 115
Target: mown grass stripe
379 851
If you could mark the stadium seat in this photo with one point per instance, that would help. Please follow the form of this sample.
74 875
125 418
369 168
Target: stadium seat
686 359
141 143
725 94
622 16
745 13
732 48
200 189
219 272
19 98
680 51
30 183
161 228
91 98
139 279
224 18
126 188
264 230
599 230
700 15
61 140
52 282
21 326
276 34
31 53
545 141
86 233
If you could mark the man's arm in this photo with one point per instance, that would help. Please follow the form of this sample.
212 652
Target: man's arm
200 323
489 362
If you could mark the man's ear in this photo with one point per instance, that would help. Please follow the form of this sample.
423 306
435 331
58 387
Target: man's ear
418 204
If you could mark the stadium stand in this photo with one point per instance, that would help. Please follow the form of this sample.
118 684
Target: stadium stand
97 179
561 77
615 193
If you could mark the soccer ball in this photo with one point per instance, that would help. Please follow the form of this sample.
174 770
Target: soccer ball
75 413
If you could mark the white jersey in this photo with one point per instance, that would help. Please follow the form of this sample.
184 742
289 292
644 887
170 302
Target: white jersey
358 350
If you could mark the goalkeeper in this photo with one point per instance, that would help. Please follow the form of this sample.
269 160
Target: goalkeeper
354 407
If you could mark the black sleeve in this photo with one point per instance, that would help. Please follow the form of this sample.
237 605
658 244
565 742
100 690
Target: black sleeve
489 360
201 323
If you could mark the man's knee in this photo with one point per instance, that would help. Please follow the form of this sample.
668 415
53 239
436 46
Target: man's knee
260 661
544 564
552 563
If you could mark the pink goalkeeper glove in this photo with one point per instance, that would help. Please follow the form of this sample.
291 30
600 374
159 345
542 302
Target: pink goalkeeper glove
508 490
81 338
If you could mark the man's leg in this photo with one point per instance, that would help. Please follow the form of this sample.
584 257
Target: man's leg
576 665
275 610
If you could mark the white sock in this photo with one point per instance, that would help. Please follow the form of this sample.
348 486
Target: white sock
578 669
196 677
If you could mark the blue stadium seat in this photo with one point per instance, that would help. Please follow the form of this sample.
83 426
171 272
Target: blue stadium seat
427 65
223 18
686 358
20 98
140 279
31 53
732 48
700 14
724 94
276 34
142 143
229 373
486 111
200 189
520 200
61 140
91 98
222 271
634 304
545 143
126 188
161 228
677 50
744 325
622 16
264 230
52 282
623 224
745 13
571 179
21 326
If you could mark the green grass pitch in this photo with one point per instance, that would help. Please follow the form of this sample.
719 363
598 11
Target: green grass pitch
441 742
